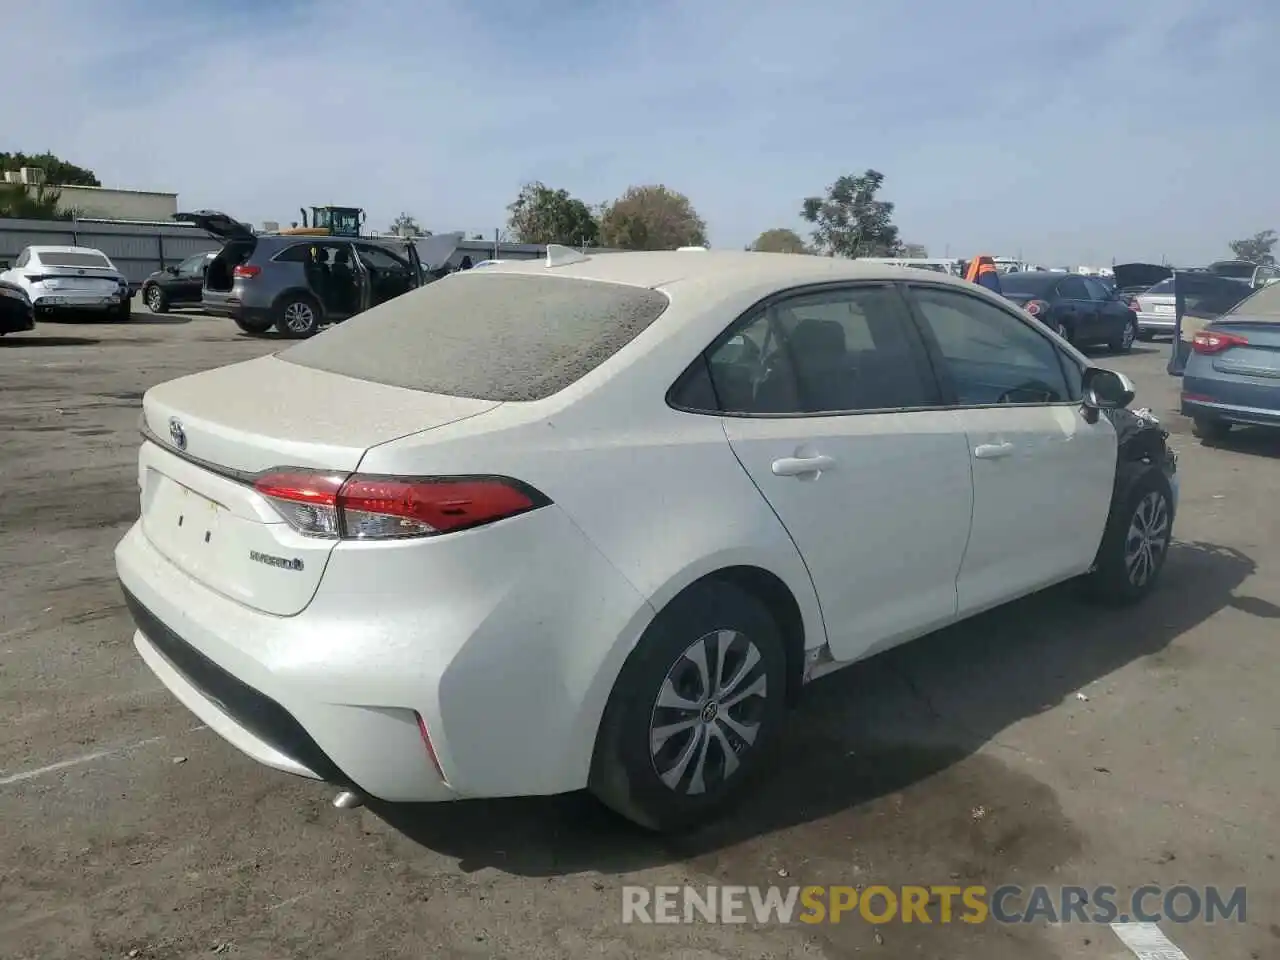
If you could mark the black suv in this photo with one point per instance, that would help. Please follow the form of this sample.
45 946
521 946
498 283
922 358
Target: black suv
180 286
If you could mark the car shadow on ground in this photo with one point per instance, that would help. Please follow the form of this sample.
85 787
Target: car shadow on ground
13 341
167 319
1255 441
1100 352
911 719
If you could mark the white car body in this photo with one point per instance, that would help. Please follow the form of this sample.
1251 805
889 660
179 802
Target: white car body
68 278
479 663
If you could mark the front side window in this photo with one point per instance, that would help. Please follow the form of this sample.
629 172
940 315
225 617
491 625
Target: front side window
1097 289
193 266
836 351
380 259
989 355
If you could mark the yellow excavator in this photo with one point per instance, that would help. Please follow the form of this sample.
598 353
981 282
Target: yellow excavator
328 222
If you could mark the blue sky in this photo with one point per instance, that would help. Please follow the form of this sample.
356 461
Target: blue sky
1071 133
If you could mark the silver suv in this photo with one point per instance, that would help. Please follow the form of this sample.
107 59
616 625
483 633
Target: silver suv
296 282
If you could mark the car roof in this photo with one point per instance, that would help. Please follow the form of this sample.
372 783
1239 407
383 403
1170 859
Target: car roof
726 268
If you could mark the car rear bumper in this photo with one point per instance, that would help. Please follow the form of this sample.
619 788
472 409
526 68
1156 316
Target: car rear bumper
1157 322
1229 413
509 675
76 301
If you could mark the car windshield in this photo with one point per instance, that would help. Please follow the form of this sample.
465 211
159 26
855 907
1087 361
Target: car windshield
486 335
65 258
1028 284
1164 286
1262 305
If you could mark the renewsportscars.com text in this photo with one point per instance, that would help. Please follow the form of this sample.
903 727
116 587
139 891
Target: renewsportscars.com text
932 904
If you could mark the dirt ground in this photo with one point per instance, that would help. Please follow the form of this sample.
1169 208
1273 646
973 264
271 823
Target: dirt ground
1048 742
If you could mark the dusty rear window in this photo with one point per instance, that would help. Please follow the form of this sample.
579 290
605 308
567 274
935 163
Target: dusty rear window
486 336
50 259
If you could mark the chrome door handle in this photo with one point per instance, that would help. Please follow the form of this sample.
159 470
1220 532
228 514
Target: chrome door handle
800 466
992 451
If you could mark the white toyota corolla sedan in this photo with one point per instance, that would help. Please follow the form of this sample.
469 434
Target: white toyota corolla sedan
594 521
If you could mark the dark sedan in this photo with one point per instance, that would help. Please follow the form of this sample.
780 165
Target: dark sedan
1233 373
16 315
180 286
1082 310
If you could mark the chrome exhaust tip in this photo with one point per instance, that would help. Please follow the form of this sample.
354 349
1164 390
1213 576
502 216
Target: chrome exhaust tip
348 800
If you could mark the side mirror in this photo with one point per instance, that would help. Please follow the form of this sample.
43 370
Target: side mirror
1106 389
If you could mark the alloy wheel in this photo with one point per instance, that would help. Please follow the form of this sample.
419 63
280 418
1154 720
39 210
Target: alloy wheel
708 712
1147 539
299 317
155 299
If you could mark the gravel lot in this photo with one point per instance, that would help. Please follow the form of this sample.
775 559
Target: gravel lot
126 830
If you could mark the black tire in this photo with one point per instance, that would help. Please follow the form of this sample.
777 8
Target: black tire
624 770
156 299
255 327
1207 428
297 316
1124 343
1116 578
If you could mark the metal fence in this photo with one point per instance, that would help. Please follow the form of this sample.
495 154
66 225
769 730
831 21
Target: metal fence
136 249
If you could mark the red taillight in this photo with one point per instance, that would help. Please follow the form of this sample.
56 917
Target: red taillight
1036 307
391 508
246 271
1210 341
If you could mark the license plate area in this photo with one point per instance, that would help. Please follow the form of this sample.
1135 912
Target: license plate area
184 524
1162 308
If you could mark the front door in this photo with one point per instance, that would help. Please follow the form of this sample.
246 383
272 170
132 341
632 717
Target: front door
1074 295
834 418
1042 474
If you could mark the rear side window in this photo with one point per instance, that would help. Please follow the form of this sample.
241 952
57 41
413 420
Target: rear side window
486 336
1073 288
52 259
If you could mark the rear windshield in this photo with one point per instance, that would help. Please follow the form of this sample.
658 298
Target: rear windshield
1164 286
52 259
1264 305
486 336
1235 270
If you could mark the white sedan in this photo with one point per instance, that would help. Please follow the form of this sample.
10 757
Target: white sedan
70 278
594 521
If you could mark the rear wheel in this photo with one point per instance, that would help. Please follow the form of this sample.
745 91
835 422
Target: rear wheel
298 316
156 299
256 327
693 710
1124 342
1207 428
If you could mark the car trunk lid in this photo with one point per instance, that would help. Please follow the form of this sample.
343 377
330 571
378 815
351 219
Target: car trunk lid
209 436
1132 277
217 224
1260 357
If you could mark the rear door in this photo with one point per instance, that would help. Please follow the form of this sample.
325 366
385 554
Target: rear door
1042 474
831 408
1079 309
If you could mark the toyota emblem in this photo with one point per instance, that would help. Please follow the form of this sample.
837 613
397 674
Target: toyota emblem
177 434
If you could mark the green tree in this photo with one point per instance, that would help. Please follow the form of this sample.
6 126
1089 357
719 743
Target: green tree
850 222
915 251
22 202
407 225
57 172
651 217
779 240
1255 249
542 215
